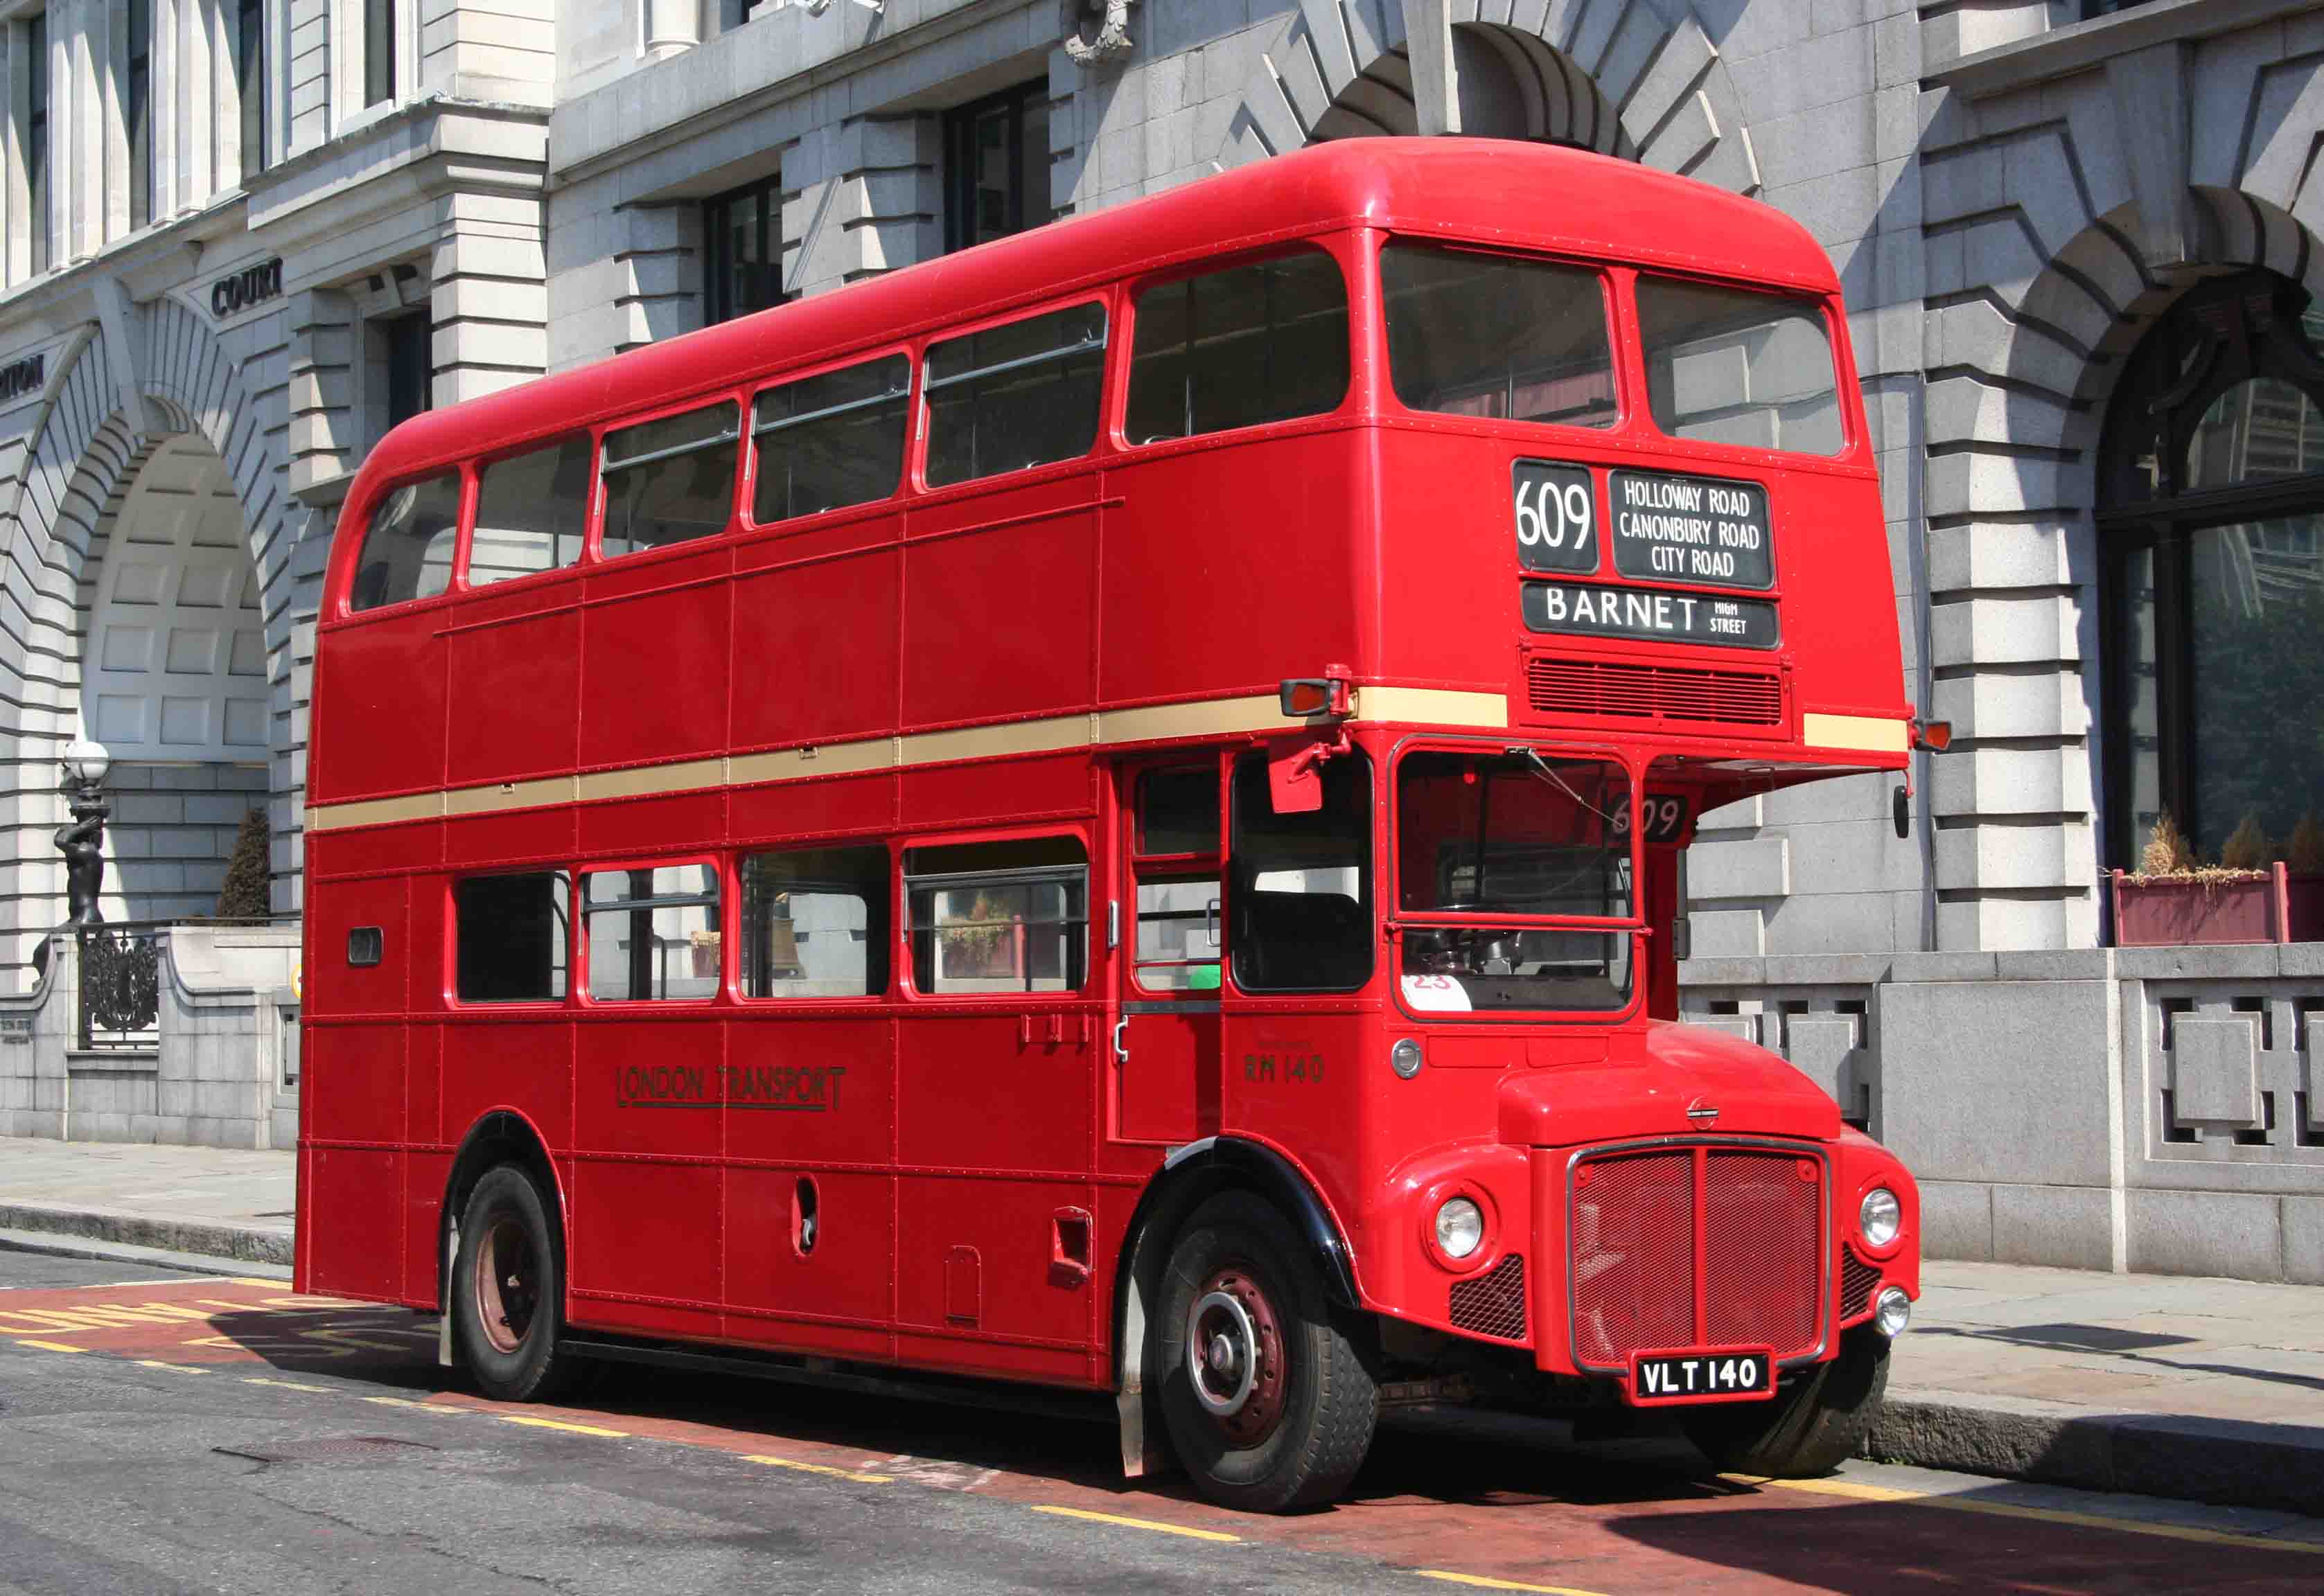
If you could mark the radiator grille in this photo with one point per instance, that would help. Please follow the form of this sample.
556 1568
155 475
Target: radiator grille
1653 693
1493 1302
1634 1231
1857 1279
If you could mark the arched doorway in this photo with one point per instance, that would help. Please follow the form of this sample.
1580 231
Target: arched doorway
2211 532
1512 85
174 682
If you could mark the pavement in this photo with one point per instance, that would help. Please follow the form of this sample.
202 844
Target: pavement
2207 1390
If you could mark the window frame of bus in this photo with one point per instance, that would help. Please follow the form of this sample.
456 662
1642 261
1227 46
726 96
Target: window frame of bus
1335 248
456 581
1613 302
746 498
1174 868
1256 760
582 954
883 906
1107 301
905 980
564 877
479 464
1847 389
1634 926
601 513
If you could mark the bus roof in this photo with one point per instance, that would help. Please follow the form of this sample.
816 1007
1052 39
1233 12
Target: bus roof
1530 196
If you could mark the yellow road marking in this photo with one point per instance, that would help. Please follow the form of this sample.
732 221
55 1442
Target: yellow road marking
48 1346
558 1424
423 1407
174 1368
1483 1583
288 1385
1192 1534
809 1468
1856 1491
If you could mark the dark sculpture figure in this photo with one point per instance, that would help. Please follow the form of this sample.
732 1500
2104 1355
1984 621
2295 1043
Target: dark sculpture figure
83 845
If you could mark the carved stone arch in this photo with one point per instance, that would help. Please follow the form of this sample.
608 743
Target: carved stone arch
2061 223
62 485
1616 76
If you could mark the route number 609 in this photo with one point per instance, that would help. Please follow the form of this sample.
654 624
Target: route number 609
1568 504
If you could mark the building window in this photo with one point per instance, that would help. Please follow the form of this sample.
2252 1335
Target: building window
2211 526
409 366
36 138
137 112
997 165
744 231
379 51
250 82
2097 8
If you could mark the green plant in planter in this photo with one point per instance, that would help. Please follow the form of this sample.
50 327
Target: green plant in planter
245 894
2305 850
2246 847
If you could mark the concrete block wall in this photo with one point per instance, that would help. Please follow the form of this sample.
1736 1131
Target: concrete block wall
172 832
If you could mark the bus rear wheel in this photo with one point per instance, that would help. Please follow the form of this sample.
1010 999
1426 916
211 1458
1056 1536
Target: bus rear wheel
1810 1426
507 1290
1267 1402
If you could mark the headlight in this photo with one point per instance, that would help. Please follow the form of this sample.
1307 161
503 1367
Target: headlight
1896 1311
1405 1058
1880 1217
1459 1227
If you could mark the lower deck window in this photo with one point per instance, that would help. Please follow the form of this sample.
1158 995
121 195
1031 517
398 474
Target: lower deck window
653 933
999 916
510 933
815 923
1302 882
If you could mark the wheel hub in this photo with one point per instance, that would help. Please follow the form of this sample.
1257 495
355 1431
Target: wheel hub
507 1289
1234 1355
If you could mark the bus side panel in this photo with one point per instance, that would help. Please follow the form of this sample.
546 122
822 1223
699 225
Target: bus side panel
815 659
815 1094
645 1222
512 839
653 825
1000 623
810 807
381 674
523 1065
518 686
988 793
352 1091
1258 540
653 663
975 1275
1455 618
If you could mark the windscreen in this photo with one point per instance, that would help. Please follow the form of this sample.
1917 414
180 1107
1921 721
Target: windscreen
1512 836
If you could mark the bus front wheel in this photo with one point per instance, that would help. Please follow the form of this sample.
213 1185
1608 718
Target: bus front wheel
1267 1402
508 1289
1808 1427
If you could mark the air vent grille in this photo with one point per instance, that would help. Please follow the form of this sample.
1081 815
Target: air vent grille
1629 692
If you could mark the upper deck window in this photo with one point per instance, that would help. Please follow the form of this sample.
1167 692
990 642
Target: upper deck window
1736 366
407 550
532 511
1471 334
1240 347
670 481
1015 396
831 440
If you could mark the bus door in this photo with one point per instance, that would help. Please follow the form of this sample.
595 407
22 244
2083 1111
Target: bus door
1165 1054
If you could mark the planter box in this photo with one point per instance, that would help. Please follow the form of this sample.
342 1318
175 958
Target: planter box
2276 907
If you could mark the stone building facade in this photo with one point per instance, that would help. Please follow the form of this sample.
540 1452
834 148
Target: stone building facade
337 211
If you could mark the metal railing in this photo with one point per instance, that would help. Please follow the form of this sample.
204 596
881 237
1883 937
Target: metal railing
121 984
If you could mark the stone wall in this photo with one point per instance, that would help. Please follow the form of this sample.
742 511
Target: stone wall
2160 1110
214 1075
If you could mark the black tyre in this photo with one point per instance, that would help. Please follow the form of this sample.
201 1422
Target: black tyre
1811 1427
1267 1402
508 1289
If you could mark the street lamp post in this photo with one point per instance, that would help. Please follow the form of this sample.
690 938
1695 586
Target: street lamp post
83 842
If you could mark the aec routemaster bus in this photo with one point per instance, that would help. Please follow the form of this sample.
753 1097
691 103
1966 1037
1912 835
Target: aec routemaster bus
1106 811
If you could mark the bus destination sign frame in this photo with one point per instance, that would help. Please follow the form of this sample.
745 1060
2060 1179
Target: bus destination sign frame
1597 609
1711 531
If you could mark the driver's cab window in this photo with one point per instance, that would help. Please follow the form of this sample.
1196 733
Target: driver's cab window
1302 882
1174 858
1486 840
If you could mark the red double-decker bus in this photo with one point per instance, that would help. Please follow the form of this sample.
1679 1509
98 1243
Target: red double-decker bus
1106 811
